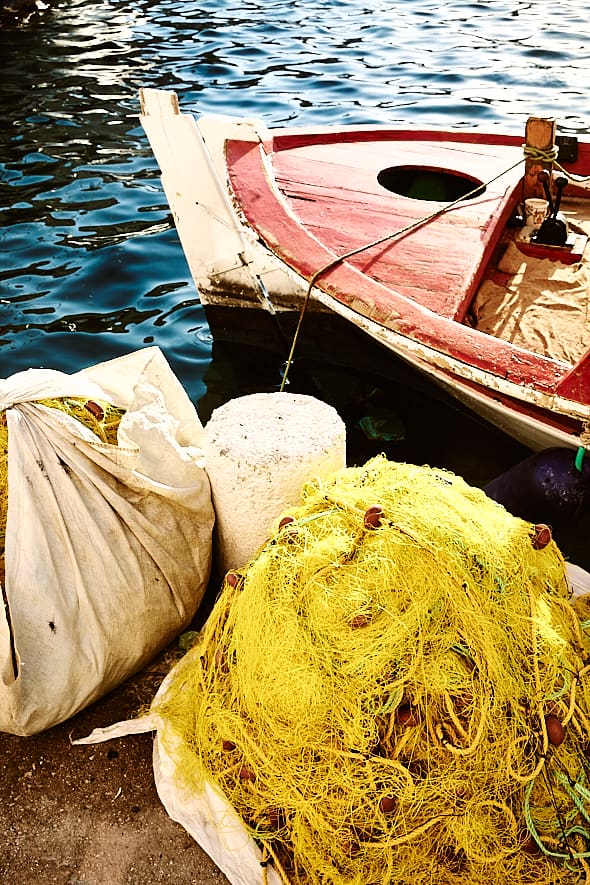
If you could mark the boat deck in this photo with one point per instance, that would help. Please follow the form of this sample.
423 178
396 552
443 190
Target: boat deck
338 204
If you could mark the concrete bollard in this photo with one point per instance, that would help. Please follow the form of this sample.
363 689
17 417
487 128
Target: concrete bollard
260 450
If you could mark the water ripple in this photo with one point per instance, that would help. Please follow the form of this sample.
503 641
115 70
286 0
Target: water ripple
90 264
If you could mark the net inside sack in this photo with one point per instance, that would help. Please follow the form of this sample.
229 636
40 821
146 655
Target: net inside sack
101 417
394 690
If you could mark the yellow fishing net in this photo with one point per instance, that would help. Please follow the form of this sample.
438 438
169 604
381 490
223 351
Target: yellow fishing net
394 690
101 417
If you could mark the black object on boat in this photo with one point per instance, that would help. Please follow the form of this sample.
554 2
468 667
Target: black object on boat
553 230
551 486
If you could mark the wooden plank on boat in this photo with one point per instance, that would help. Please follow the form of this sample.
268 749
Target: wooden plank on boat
335 198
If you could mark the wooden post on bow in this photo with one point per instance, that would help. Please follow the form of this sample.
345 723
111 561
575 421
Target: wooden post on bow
539 137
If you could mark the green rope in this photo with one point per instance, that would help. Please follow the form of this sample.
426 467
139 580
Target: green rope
579 806
531 825
573 792
580 458
584 793
550 155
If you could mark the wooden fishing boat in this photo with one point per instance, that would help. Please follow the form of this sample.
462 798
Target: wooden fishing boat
419 238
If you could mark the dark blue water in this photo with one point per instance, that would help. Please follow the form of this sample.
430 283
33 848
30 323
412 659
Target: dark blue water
90 264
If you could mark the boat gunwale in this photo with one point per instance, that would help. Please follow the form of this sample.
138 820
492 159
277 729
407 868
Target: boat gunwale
290 139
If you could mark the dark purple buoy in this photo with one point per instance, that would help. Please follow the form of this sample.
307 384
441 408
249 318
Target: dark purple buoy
552 486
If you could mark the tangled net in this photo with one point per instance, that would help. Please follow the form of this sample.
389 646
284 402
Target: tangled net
393 690
101 418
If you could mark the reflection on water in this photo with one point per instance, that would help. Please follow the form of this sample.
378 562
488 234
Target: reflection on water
90 264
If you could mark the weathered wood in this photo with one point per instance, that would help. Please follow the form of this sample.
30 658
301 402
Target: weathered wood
340 203
539 136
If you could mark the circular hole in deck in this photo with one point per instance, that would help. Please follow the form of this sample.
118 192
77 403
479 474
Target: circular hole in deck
421 183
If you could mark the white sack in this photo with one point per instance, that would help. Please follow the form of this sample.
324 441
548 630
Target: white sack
108 548
210 819
205 814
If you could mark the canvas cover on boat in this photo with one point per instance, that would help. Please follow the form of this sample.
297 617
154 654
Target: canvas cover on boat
539 304
108 547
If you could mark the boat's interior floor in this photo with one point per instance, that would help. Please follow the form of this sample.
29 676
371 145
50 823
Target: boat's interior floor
536 303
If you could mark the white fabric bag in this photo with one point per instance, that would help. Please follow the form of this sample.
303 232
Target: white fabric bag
108 548
205 814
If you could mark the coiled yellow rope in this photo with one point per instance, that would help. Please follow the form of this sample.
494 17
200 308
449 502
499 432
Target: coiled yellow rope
394 690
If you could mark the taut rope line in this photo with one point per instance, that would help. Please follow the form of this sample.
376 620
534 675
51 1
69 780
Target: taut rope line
389 236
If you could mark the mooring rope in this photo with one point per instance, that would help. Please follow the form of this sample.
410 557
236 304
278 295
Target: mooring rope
388 236
550 155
